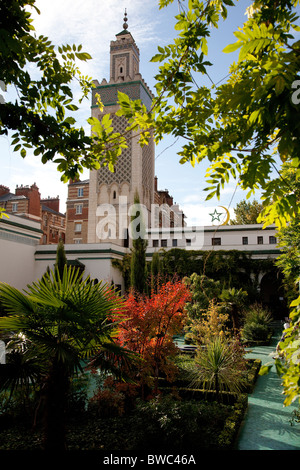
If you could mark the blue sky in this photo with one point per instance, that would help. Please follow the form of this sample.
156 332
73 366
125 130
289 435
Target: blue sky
94 24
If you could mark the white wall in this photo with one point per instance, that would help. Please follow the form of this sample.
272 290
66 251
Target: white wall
231 238
18 240
17 263
23 261
97 259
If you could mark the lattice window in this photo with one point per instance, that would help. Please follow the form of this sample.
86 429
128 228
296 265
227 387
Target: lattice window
147 172
123 166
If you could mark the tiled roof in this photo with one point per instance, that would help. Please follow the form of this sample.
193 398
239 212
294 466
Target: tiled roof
48 209
11 197
81 182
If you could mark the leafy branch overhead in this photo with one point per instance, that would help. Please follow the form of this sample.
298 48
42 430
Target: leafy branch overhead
44 79
241 125
245 127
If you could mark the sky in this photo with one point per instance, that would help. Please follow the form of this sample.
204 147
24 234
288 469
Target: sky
94 24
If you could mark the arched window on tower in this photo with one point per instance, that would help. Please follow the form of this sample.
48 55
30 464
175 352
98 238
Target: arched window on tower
121 73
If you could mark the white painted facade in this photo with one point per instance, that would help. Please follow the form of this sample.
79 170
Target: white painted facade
23 260
19 238
262 243
96 257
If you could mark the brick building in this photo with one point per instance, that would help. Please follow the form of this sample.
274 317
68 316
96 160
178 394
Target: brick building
168 213
53 221
26 202
77 212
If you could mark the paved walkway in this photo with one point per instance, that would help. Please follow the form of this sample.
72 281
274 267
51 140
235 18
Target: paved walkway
267 424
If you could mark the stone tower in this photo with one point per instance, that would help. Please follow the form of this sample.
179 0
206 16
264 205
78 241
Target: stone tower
134 171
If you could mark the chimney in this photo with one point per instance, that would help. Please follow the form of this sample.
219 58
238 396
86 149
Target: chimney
33 195
3 190
51 203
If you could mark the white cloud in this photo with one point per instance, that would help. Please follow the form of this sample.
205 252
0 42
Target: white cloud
94 24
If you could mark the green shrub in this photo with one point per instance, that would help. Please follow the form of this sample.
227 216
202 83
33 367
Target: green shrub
166 423
220 367
227 437
163 424
253 367
255 332
257 324
258 314
19 407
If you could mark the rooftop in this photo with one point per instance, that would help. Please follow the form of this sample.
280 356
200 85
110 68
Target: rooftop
11 196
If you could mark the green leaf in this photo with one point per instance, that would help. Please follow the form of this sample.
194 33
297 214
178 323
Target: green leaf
232 47
84 56
255 116
210 196
106 121
72 107
295 302
265 369
70 120
279 84
2 213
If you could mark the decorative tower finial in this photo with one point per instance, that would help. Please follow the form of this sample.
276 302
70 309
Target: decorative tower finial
125 25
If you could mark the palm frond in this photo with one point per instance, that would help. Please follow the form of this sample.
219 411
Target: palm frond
14 301
14 323
22 370
68 319
115 359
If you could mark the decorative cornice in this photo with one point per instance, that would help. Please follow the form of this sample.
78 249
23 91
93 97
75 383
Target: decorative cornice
135 82
16 224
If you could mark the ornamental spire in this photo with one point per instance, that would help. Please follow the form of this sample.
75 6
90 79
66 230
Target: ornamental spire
125 25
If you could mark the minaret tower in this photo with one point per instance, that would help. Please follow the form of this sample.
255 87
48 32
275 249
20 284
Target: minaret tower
134 171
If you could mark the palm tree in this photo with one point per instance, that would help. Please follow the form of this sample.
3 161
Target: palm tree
219 366
66 321
233 300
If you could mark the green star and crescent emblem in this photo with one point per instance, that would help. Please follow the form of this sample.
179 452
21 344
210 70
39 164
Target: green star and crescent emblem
216 215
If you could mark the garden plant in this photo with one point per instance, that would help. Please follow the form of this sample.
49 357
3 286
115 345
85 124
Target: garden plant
58 324
61 326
